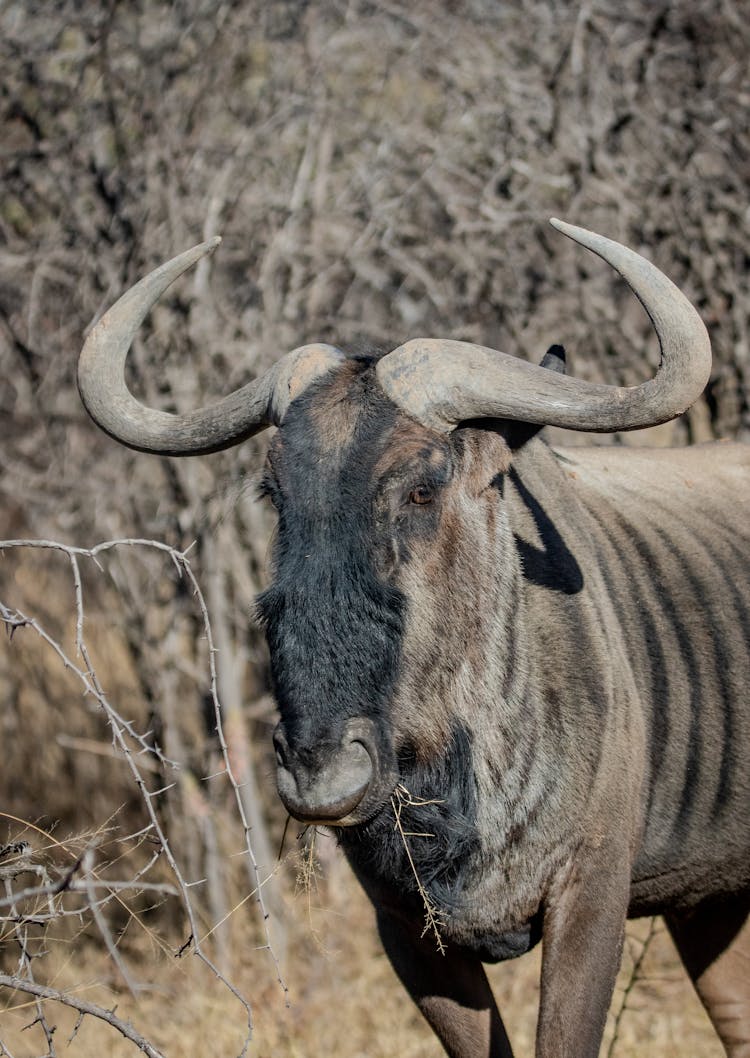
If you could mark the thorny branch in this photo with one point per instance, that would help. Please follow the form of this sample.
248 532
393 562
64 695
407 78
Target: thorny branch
228 764
83 1007
130 745
421 209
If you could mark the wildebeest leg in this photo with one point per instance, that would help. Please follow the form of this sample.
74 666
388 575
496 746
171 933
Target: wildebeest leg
451 991
714 944
584 926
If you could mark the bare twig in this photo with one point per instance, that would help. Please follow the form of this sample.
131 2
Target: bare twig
20 931
633 979
4 1052
123 733
83 1007
233 740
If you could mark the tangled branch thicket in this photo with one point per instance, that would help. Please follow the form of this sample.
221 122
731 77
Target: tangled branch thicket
22 912
378 170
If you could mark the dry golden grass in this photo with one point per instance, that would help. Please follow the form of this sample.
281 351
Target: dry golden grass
379 171
344 1000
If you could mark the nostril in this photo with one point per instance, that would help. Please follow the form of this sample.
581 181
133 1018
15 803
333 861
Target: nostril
281 747
360 734
355 753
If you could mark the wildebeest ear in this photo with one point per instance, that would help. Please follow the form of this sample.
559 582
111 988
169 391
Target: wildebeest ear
520 433
554 359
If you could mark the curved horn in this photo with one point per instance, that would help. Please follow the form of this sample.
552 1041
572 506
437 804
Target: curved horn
442 383
261 403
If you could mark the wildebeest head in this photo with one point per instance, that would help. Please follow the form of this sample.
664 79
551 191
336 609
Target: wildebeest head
372 613
383 475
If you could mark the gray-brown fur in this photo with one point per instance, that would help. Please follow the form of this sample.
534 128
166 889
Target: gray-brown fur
550 651
583 615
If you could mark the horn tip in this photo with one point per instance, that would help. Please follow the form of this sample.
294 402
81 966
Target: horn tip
560 225
582 236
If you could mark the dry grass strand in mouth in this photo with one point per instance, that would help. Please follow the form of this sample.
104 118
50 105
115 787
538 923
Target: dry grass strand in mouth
309 869
307 866
433 916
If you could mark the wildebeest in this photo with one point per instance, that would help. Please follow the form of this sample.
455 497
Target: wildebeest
539 659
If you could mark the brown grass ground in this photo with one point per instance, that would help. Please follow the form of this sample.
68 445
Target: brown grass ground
344 1000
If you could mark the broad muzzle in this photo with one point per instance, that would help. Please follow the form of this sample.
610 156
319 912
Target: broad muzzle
328 783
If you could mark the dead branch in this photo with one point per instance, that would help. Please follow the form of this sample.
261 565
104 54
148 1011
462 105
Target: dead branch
20 984
124 733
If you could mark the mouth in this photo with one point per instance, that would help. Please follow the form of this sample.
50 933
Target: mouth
342 812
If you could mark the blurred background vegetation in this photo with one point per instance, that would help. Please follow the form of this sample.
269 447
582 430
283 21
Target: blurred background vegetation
378 170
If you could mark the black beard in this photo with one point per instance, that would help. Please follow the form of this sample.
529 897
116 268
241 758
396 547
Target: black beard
436 805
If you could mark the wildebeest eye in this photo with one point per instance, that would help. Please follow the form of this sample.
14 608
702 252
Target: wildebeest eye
420 495
268 489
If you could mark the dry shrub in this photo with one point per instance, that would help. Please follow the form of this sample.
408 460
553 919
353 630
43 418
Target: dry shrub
378 170
344 998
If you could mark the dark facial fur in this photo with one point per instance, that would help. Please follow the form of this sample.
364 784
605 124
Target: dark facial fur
358 492
333 627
